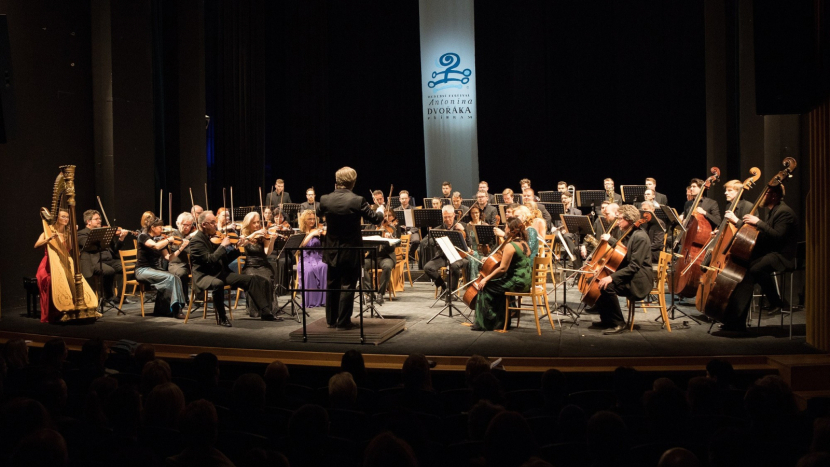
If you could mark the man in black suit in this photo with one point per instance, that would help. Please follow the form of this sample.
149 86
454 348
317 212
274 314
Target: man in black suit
774 251
633 278
485 187
660 198
343 211
735 217
278 196
488 211
433 268
211 272
415 235
655 229
708 207
611 195
110 265
528 196
310 204
571 238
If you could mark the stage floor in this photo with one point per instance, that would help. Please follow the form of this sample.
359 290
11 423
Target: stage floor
445 336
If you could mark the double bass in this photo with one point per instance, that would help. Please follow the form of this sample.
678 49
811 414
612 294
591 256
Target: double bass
71 294
697 236
738 254
715 256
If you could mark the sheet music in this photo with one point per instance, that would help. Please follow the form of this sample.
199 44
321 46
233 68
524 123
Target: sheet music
449 250
377 238
409 219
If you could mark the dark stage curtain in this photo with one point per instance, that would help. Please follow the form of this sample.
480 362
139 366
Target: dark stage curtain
235 86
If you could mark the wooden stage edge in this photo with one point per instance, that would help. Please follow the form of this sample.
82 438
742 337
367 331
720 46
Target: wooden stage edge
786 365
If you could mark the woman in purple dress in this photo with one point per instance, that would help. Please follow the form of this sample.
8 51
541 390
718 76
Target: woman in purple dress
311 269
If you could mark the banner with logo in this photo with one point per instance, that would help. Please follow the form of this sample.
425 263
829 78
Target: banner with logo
448 87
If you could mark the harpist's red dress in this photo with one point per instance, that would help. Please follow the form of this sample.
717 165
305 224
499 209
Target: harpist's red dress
44 282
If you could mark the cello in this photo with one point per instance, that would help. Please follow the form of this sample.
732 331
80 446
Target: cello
609 262
715 256
593 266
698 233
738 254
71 294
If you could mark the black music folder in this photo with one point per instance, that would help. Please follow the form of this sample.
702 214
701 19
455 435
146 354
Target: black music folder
633 193
427 218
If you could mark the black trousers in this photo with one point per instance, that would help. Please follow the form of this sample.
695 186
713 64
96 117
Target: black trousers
433 271
109 271
759 272
340 300
608 305
182 271
386 265
258 289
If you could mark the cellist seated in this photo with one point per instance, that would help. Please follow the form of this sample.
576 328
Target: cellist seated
433 268
633 278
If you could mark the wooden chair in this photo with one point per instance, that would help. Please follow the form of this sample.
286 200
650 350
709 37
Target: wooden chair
659 290
538 294
241 262
128 260
403 257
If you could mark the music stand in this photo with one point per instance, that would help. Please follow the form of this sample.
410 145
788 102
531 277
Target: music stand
634 193
375 242
445 201
371 233
394 201
401 217
502 215
591 199
457 241
486 234
554 209
290 211
239 212
550 196
293 242
427 218
578 225
468 202
673 221
662 215
98 241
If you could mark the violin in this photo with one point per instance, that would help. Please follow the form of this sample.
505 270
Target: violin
217 238
119 230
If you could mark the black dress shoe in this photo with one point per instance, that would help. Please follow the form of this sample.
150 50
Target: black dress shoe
181 315
597 325
268 317
591 310
476 327
127 301
226 323
616 329
379 300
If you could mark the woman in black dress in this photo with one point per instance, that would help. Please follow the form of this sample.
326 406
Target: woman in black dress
257 249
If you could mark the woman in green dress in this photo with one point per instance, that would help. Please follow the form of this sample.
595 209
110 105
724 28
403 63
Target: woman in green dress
512 275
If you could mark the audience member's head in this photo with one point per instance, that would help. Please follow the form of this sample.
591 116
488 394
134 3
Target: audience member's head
554 388
94 354
42 448
415 373
16 354
663 383
123 410
199 424
18 419
678 457
728 447
352 362
97 398
259 457
143 353
53 394
536 462
667 412
702 395
163 405
54 353
721 371
387 450
821 435
509 442
487 387
476 365
276 378
628 387
248 393
308 426
606 437
342 391
206 369
572 424
155 372
770 402
479 418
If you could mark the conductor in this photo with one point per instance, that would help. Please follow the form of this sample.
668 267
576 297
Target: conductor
343 211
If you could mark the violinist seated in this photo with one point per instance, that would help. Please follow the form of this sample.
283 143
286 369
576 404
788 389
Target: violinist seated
109 267
477 250
278 225
633 278
415 235
707 206
152 248
655 229
259 244
178 261
433 267
211 272
386 259
608 213
460 209
774 251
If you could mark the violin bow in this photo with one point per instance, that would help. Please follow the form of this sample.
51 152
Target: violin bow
232 221
207 208
191 198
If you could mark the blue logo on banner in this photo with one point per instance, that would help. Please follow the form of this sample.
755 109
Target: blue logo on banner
449 76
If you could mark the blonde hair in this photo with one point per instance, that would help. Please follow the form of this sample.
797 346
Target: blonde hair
733 184
345 177
523 213
247 223
303 216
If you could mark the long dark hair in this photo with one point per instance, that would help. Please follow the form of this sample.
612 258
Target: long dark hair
152 222
517 230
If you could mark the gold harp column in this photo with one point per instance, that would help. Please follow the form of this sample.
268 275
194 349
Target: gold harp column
818 224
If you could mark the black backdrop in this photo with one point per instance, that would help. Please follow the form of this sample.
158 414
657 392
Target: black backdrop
566 90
